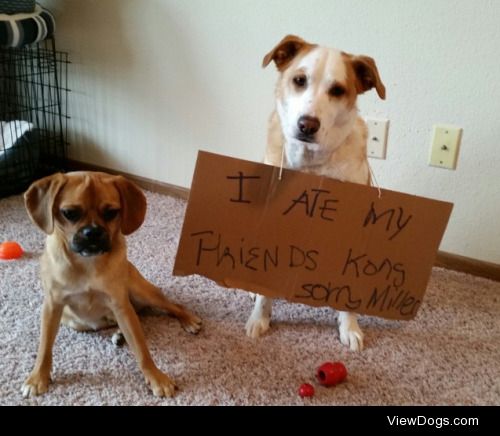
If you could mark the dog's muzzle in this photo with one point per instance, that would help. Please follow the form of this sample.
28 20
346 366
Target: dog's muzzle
91 241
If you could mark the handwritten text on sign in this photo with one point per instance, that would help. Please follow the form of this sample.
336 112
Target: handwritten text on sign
309 239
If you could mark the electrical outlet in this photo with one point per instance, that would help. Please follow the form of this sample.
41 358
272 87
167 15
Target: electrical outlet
378 130
445 145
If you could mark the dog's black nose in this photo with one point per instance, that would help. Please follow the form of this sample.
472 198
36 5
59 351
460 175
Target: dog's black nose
93 232
91 240
308 125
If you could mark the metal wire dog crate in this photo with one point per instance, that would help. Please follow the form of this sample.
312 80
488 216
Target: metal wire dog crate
33 119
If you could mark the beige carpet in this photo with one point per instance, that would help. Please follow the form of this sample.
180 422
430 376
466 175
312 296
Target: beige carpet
450 354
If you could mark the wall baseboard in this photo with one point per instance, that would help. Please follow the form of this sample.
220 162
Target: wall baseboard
468 265
445 260
143 182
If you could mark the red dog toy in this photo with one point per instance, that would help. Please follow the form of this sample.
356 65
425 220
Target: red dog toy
306 390
331 373
10 250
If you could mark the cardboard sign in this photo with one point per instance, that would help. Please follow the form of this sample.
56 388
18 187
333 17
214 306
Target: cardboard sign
309 239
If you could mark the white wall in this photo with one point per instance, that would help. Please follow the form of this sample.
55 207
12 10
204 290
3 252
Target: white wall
155 80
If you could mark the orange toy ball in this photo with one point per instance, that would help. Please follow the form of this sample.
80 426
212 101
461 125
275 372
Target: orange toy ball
10 250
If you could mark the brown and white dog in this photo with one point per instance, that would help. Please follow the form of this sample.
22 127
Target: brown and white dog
316 129
88 282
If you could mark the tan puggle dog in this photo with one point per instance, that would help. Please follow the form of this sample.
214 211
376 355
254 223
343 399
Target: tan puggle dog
316 129
88 282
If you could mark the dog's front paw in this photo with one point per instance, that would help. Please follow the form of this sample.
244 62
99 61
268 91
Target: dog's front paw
160 383
191 323
35 384
351 334
257 326
118 339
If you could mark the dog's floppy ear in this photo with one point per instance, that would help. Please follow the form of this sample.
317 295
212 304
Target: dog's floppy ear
133 205
285 51
40 198
367 76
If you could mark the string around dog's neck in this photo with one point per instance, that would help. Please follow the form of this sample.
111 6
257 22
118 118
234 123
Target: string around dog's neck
282 161
374 180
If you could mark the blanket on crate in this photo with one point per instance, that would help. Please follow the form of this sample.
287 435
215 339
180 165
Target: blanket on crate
18 30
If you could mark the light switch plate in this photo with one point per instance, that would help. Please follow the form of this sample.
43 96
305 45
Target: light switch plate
378 130
445 146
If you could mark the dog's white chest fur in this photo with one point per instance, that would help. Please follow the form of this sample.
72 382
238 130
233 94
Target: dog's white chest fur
301 154
90 309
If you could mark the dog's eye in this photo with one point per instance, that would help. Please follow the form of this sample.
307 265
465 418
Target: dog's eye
72 215
337 91
110 214
300 81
